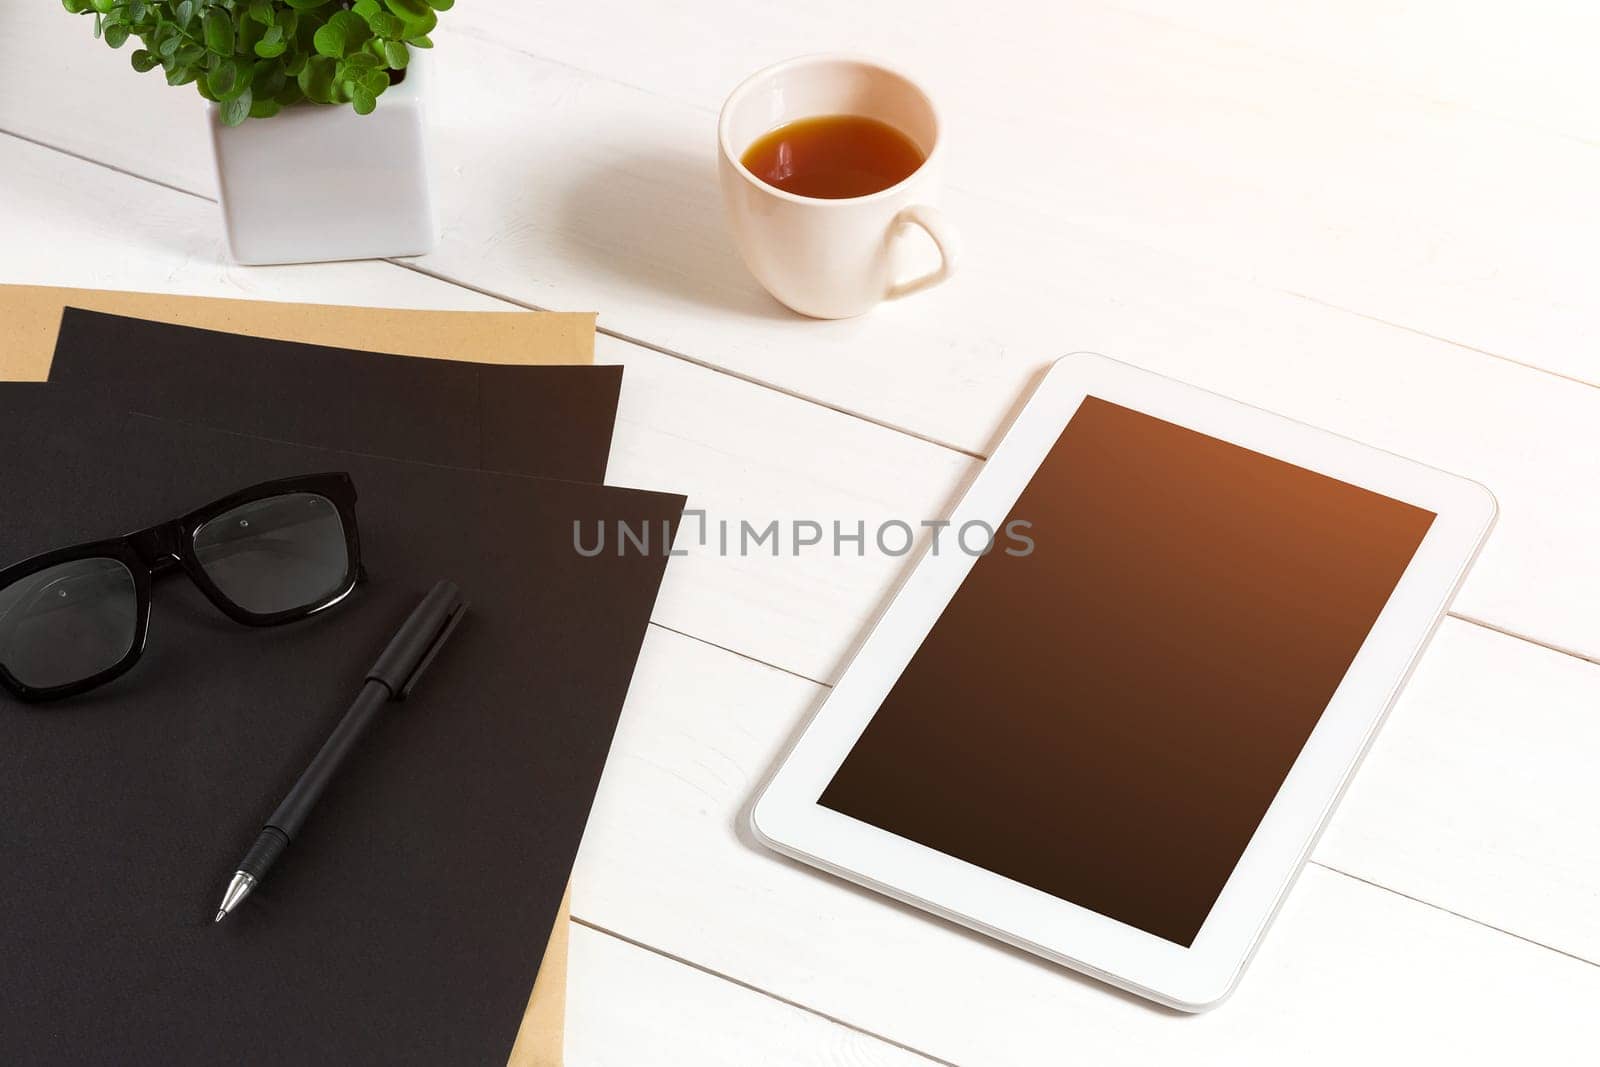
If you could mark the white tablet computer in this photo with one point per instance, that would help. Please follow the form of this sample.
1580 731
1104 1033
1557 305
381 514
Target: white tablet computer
1113 739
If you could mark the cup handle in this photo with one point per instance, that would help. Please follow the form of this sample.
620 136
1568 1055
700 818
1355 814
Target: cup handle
932 222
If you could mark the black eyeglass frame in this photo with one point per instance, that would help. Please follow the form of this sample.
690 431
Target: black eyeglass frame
158 549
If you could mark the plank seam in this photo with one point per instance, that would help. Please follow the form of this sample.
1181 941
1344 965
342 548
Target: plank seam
112 167
1418 332
1548 646
1459 915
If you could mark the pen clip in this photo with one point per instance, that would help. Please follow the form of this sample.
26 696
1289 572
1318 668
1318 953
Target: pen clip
433 650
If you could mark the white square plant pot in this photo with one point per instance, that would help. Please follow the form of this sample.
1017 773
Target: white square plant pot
319 182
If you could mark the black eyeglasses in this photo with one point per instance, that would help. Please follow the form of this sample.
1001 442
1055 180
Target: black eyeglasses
77 617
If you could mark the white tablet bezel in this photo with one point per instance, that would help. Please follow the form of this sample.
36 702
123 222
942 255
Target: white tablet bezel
788 818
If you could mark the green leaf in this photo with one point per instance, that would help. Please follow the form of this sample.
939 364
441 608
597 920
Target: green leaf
418 17
269 80
247 74
264 109
222 79
237 110
425 25
330 41
355 27
345 32
275 53
249 35
343 83
218 29
385 25
316 80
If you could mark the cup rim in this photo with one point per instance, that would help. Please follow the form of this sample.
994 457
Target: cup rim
745 87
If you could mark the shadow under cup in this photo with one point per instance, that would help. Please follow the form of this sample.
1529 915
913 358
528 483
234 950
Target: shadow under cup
830 258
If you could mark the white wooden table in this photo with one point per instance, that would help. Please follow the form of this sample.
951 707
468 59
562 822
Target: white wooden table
1377 218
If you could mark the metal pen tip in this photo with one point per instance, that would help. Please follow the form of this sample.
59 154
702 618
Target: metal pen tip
238 889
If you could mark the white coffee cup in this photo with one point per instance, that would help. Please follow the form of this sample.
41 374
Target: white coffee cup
831 259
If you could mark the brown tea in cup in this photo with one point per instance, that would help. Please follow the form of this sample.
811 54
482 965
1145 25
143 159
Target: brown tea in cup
833 157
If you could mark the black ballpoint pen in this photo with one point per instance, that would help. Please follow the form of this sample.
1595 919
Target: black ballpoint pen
407 655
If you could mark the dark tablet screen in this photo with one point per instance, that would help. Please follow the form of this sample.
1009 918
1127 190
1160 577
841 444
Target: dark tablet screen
1108 717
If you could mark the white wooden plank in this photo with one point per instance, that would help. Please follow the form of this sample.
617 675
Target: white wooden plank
1482 793
1532 64
627 1007
111 113
67 222
607 200
1346 969
1424 165
1227 148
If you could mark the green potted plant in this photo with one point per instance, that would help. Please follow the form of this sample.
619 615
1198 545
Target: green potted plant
293 92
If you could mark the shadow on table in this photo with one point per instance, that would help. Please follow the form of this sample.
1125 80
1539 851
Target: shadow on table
654 220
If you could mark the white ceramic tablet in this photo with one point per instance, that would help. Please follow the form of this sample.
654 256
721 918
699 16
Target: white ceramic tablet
1113 739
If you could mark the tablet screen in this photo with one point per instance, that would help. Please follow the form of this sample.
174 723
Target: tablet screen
1107 717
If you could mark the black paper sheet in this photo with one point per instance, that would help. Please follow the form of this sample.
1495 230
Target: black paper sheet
551 421
399 926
